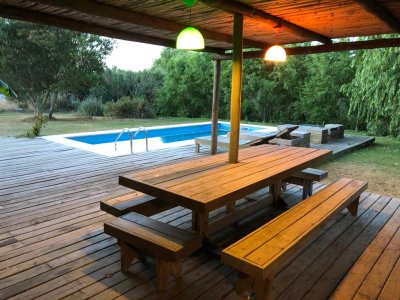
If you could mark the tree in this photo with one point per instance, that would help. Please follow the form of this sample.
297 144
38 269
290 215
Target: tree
188 81
375 91
321 99
41 61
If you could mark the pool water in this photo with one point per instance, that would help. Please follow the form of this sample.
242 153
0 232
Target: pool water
159 137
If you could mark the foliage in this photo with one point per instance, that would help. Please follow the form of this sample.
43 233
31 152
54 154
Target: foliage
375 91
92 107
116 84
38 123
127 107
39 61
188 81
321 100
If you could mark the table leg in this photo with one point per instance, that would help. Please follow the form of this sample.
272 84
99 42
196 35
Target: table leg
200 223
278 200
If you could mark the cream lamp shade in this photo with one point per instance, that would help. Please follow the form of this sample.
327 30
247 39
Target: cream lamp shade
275 53
190 39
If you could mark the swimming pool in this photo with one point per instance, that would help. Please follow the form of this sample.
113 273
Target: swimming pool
158 137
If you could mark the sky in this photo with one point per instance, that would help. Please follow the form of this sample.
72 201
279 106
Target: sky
133 56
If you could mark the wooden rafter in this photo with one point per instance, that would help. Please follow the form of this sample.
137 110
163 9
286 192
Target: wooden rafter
336 47
249 11
377 9
136 18
72 24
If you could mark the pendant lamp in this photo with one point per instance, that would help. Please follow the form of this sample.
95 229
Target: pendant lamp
275 53
190 38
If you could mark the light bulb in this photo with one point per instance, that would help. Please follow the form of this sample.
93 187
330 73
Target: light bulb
275 53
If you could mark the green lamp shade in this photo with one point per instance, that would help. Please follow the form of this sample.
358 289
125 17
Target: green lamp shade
189 3
190 39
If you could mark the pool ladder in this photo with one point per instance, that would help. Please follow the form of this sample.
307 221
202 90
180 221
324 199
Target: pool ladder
132 136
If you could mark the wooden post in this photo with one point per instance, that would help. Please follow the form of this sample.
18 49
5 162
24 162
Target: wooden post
236 91
214 120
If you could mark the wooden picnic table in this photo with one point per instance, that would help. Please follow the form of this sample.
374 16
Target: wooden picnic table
207 183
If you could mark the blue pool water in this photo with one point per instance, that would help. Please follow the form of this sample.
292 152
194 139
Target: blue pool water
166 134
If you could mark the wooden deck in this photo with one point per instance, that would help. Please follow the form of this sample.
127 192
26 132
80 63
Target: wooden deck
52 243
347 144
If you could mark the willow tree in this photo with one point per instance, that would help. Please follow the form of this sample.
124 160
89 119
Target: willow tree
375 91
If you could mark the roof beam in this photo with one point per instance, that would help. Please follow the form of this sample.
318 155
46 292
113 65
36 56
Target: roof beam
375 8
76 25
236 7
336 47
136 18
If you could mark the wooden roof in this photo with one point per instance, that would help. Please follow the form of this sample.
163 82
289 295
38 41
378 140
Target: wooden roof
265 22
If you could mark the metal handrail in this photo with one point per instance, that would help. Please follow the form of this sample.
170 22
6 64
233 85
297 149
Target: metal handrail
146 136
131 137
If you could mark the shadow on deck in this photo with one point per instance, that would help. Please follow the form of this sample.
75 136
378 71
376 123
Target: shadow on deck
52 243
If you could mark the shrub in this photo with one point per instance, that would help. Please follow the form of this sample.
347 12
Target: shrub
38 122
378 127
127 107
92 107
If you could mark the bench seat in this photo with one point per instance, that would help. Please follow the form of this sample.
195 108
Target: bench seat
259 255
134 202
139 235
306 178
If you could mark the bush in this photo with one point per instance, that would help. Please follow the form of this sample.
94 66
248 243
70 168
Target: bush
92 107
127 107
378 127
68 103
38 123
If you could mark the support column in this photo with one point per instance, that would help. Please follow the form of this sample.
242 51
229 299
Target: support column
236 91
214 119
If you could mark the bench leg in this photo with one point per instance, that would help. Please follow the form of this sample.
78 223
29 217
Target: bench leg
244 283
353 207
164 270
310 190
307 188
263 289
127 256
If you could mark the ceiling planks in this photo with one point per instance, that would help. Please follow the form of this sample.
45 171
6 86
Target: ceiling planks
251 12
381 12
132 17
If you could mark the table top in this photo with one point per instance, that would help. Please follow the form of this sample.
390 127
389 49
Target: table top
206 183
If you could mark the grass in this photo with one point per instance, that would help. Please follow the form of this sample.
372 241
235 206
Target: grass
378 164
17 124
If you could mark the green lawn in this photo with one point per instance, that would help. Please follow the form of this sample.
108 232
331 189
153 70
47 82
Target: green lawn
17 124
379 164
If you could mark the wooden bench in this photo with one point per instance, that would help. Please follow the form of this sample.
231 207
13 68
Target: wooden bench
134 202
306 178
139 235
259 255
